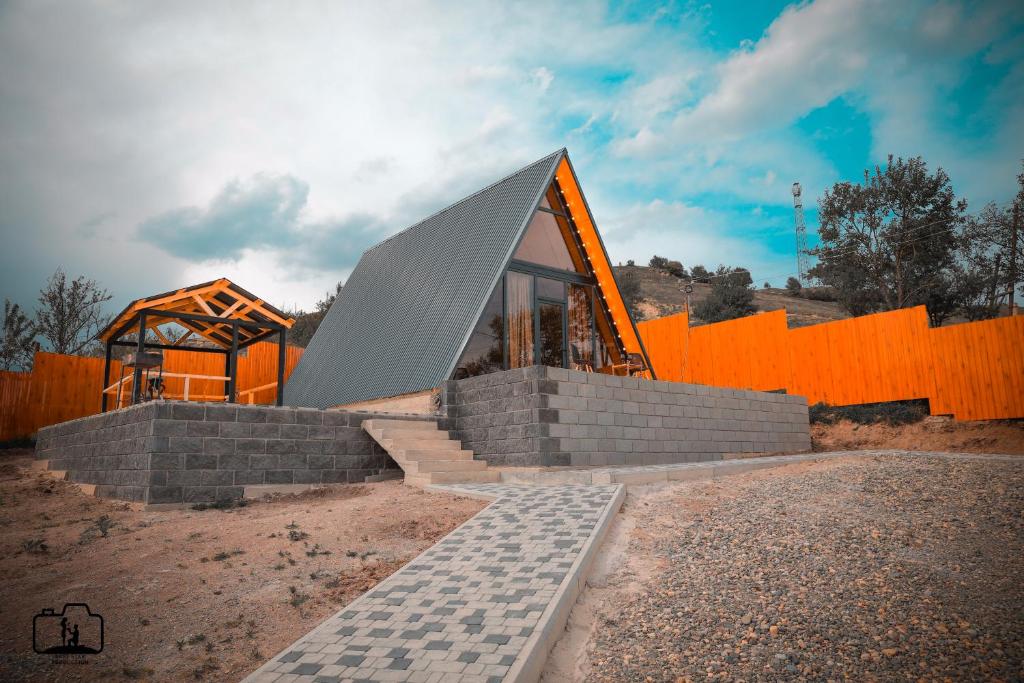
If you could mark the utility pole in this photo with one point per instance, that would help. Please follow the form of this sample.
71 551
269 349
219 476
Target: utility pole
1013 253
802 265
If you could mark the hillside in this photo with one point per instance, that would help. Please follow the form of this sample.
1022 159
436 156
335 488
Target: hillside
662 295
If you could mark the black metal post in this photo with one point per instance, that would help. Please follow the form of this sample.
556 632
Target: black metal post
282 348
227 373
140 348
233 383
106 376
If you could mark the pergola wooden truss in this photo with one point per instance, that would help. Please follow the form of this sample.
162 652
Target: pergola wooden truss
220 312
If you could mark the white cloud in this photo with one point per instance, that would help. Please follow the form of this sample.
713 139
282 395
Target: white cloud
543 77
115 114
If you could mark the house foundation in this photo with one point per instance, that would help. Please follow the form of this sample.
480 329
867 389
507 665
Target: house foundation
177 452
556 417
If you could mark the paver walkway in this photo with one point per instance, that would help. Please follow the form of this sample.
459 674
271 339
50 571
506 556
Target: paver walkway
483 604
487 602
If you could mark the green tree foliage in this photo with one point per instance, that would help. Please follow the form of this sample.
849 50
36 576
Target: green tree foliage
659 262
629 288
17 347
893 241
306 324
731 296
700 274
793 286
985 277
675 269
70 314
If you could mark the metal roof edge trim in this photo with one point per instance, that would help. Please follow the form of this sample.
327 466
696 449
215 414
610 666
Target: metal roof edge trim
611 268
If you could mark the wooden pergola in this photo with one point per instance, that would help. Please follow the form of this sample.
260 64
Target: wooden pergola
220 312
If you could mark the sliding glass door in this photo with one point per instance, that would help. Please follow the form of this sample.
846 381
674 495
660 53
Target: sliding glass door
552 333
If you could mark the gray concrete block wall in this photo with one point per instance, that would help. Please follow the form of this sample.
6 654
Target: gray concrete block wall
502 416
550 416
177 452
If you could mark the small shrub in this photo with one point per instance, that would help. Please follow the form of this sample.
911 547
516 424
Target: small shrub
296 535
223 504
225 555
820 294
892 413
137 672
317 550
297 599
104 524
35 546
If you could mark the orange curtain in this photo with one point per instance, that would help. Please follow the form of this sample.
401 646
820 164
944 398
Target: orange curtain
581 350
520 320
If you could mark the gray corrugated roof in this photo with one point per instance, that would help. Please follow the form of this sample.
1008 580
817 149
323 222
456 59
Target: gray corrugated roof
409 306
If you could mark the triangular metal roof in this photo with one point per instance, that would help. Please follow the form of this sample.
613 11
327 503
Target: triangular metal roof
408 308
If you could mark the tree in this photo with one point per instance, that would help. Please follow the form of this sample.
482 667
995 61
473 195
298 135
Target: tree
731 296
306 324
793 286
70 314
17 347
658 262
767 285
629 288
700 274
675 269
989 253
893 241
630 262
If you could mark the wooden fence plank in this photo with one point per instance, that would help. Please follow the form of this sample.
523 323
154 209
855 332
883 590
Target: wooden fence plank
970 370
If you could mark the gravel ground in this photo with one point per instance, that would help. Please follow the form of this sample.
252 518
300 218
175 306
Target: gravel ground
866 569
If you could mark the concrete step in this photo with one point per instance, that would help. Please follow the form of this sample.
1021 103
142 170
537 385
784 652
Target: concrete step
477 477
417 425
419 445
426 453
415 455
437 466
418 434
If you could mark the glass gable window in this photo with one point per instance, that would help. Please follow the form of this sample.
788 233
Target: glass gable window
485 351
544 243
547 309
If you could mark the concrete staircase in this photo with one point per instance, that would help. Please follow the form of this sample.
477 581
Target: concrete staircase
427 454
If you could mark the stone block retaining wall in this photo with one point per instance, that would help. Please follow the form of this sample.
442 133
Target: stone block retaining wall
550 416
178 452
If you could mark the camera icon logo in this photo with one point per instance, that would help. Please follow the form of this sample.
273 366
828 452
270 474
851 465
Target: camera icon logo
77 630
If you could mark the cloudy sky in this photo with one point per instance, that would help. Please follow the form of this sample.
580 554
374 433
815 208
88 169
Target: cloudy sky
151 145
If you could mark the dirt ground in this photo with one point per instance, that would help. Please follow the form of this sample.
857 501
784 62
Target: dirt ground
880 568
196 595
931 434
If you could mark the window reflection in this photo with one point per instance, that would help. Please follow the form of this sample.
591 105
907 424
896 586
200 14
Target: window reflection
485 351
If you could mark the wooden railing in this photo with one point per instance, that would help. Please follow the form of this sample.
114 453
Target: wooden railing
62 387
124 394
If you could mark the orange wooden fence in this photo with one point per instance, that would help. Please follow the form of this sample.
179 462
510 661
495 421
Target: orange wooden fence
973 371
61 388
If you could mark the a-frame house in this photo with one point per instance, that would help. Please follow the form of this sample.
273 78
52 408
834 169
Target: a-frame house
513 275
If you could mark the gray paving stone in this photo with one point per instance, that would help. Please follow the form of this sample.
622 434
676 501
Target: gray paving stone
474 599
